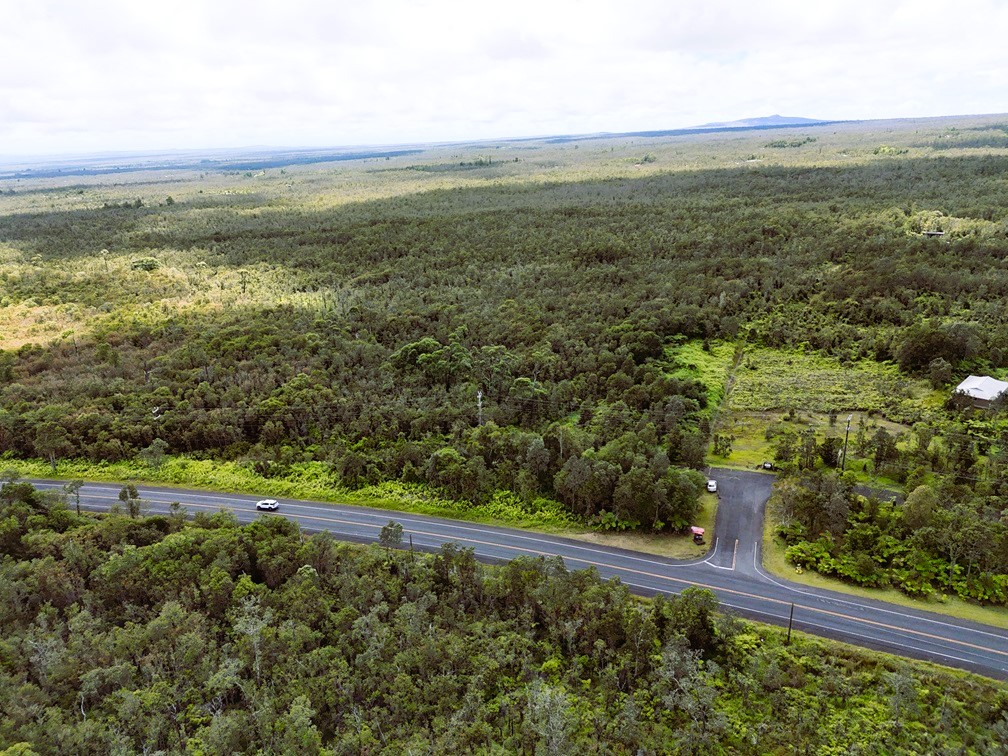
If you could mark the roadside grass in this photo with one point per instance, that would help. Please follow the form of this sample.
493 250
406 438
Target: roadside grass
669 545
866 661
314 481
775 563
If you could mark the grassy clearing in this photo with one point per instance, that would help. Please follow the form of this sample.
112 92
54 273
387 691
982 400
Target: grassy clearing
662 544
30 323
754 434
775 391
775 563
769 379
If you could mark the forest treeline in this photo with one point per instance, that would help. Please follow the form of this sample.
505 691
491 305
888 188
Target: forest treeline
162 634
941 540
512 336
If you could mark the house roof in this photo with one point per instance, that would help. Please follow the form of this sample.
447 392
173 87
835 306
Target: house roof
982 387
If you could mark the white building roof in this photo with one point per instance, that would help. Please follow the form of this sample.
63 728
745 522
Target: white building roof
982 387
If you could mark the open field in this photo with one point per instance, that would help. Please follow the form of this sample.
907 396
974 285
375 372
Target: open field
775 392
755 433
769 379
710 366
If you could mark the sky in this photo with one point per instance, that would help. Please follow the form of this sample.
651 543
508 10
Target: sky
110 75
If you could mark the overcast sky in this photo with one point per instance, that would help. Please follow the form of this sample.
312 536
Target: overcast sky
106 75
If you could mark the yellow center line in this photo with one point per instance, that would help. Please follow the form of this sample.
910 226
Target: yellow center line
758 597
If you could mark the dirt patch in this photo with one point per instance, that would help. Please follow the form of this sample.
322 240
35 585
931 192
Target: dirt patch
41 324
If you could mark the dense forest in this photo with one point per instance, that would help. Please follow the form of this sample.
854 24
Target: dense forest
516 322
162 634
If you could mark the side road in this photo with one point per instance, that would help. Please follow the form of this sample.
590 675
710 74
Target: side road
731 569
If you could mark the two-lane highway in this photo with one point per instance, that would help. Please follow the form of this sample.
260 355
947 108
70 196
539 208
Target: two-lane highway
732 570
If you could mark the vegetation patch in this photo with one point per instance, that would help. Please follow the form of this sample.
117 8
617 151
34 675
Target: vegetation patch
663 544
780 144
776 562
527 334
914 545
707 362
313 481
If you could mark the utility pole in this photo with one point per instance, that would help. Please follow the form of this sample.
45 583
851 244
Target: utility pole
790 620
479 405
843 464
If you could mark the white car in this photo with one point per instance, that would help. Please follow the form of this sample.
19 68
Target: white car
267 504
712 486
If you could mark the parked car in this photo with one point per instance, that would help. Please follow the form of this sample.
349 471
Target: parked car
768 466
267 504
712 486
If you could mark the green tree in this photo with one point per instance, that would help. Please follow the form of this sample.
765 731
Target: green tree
785 447
885 449
723 444
73 488
52 441
154 455
940 372
551 718
295 729
129 496
391 535
807 450
829 451
919 508
638 498
250 620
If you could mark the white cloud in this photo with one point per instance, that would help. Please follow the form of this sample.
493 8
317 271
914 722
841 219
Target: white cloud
129 75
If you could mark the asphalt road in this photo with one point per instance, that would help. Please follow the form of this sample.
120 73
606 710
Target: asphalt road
731 569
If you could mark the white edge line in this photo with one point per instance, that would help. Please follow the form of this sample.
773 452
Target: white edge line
363 511
792 587
834 631
785 586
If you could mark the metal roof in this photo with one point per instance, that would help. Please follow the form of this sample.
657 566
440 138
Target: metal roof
982 387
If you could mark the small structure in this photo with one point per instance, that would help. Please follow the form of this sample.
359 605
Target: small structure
933 233
982 389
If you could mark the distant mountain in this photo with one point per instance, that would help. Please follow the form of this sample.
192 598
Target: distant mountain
247 159
763 122
766 122
260 158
